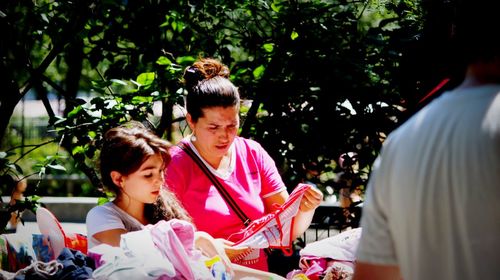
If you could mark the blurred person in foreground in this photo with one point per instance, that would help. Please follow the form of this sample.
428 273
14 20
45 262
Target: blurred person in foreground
432 206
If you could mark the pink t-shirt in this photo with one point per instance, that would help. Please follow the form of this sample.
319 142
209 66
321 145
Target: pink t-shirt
254 177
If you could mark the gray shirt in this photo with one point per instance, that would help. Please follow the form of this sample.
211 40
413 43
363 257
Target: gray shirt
107 217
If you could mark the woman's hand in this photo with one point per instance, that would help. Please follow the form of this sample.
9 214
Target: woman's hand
311 200
211 247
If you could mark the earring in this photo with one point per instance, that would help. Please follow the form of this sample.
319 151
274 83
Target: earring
193 138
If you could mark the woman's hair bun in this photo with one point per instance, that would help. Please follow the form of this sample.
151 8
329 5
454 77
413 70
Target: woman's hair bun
204 69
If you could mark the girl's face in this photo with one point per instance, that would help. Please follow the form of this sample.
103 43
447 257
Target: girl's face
215 132
144 184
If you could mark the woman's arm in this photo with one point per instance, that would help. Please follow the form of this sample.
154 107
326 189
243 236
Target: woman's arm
310 201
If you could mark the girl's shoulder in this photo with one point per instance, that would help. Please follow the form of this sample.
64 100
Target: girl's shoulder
107 208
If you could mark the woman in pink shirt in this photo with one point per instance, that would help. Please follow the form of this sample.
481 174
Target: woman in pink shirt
245 170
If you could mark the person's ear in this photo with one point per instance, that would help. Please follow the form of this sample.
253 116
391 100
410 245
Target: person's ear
117 178
190 121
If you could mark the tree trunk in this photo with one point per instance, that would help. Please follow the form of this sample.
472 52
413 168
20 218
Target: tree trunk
8 101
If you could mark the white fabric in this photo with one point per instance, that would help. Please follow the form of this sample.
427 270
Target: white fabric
432 202
161 251
107 217
117 263
340 247
139 244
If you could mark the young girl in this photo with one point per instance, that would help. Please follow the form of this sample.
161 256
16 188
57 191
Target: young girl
132 162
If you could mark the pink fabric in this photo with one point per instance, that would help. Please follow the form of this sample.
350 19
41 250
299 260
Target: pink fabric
254 177
175 239
313 271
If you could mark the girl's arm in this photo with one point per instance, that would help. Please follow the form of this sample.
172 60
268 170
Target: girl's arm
211 247
110 237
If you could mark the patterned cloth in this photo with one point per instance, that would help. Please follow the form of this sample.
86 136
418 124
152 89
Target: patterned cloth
274 230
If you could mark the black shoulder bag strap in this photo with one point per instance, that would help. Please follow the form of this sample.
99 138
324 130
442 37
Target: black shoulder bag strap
223 192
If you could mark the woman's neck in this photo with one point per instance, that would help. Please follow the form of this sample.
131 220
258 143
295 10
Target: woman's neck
133 208
211 160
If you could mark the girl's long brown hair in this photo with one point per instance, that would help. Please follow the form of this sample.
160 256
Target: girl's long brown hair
124 150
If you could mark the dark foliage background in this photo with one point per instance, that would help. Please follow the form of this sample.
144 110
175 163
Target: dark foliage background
322 78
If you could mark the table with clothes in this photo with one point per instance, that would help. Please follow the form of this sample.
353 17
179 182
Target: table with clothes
161 251
141 255
31 257
331 258
165 250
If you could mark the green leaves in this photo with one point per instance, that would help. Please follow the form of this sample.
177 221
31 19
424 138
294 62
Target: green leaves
146 79
294 60
8 167
269 47
56 167
259 72
162 60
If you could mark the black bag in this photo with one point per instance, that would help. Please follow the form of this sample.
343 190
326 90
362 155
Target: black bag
282 264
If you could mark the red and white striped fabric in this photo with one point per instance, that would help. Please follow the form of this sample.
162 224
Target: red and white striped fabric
274 230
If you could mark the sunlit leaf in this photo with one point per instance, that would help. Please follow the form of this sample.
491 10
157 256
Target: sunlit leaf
75 111
162 60
185 60
102 200
269 47
258 72
34 198
275 7
116 81
56 167
78 150
146 79
141 99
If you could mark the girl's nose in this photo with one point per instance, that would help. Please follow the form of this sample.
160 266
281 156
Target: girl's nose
159 178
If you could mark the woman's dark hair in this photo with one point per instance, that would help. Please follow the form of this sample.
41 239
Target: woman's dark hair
208 85
125 149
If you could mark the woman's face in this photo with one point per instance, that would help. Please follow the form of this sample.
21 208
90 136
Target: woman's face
215 131
144 184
